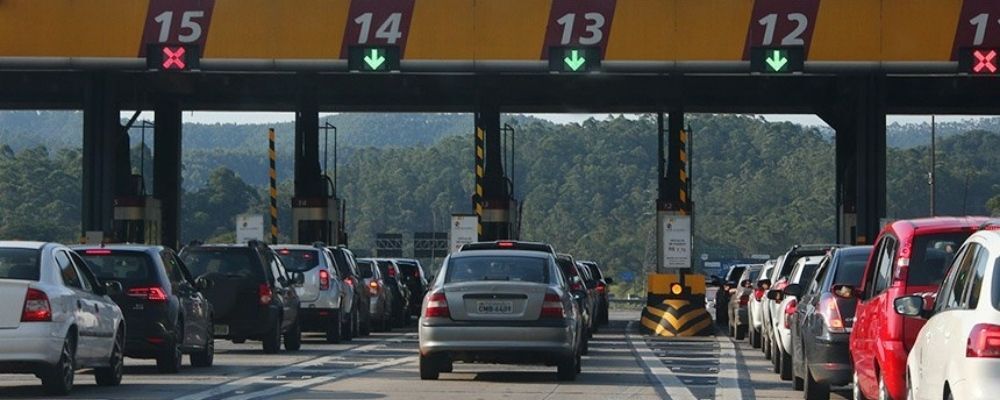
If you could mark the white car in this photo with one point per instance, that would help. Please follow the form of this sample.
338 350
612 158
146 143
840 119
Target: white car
804 269
55 317
756 307
957 353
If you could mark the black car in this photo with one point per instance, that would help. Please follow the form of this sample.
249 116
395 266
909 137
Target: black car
360 315
382 296
603 281
415 280
252 293
585 298
163 306
823 321
400 305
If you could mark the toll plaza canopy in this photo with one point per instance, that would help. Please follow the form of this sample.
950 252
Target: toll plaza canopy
472 35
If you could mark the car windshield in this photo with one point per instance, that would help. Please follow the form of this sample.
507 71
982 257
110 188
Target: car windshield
850 268
128 267
497 268
233 262
930 257
299 260
21 264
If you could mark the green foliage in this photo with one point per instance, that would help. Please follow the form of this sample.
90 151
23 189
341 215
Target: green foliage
994 206
212 210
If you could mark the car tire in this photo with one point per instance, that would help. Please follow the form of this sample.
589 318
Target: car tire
741 332
112 374
775 358
384 324
765 346
169 361
272 339
366 324
57 380
798 383
755 338
206 356
356 323
293 338
428 368
345 326
334 328
585 347
813 390
856 393
446 365
566 370
785 366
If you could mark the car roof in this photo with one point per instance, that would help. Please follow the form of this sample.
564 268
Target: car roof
501 253
18 244
119 247
294 247
920 226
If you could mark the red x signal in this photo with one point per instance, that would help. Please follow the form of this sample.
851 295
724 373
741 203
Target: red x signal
174 58
986 61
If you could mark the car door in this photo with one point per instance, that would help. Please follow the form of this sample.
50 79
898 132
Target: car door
85 312
868 325
283 286
107 312
192 302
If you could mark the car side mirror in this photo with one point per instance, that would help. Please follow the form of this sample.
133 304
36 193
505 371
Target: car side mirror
794 290
910 306
204 283
745 283
609 281
113 288
845 291
774 295
764 282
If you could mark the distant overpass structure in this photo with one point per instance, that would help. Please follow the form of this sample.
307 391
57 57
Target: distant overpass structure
851 62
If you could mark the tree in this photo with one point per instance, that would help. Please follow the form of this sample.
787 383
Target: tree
212 210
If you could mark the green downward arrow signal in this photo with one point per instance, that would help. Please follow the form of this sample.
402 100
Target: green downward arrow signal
776 61
574 62
374 60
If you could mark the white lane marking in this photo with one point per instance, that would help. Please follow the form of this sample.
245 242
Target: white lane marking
673 386
324 379
235 385
728 387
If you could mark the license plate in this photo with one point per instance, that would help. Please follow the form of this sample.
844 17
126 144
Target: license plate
221 330
495 307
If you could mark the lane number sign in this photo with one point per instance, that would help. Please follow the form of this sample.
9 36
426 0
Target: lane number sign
781 23
579 23
377 23
182 22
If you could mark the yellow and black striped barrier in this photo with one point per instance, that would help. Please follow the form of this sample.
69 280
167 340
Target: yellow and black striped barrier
273 183
675 306
480 144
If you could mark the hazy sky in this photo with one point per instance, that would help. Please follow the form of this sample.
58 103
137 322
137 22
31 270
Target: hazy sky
211 117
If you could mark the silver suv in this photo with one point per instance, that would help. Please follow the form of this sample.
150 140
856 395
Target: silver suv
323 294
500 306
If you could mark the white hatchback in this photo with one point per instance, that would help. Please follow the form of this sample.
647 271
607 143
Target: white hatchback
55 317
957 353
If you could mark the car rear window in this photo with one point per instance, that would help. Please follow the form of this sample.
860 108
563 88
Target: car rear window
596 271
931 256
498 268
128 267
236 262
753 275
299 260
735 273
365 268
20 264
996 284
409 269
343 265
850 269
568 268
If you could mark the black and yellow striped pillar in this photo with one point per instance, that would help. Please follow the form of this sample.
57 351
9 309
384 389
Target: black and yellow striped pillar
273 174
477 197
675 307
674 185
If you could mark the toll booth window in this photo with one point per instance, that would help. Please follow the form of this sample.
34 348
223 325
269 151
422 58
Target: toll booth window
299 260
514 269
20 264
931 257
233 263
127 267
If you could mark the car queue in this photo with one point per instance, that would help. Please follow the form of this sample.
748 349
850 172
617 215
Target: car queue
63 309
916 316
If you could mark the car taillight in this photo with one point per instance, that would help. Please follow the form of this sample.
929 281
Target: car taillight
830 311
36 307
349 282
506 245
984 341
324 279
576 287
373 288
744 299
552 307
152 294
264 294
758 294
789 310
437 306
601 287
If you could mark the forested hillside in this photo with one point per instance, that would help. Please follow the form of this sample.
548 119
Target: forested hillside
588 188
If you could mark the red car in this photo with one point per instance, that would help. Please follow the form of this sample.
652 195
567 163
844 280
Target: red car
910 256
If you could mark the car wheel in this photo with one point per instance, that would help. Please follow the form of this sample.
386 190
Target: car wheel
58 379
384 324
366 325
566 369
785 366
883 392
765 346
856 393
428 367
798 383
169 361
112 374
293 338
334 328
355 323
775 357
345 326
814 390
272 339
755 338
585 347
741 332
445 364
205 357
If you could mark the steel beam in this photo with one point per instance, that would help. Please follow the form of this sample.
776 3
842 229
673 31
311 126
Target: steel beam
167 169
496 203
101 133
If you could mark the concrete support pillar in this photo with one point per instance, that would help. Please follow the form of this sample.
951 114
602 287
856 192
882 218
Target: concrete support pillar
495 204
167 170
101 136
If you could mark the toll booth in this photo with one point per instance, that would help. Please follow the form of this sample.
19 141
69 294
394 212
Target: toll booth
137 219
318 219
675 306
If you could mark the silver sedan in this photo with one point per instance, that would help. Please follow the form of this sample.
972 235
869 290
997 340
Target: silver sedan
500 306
